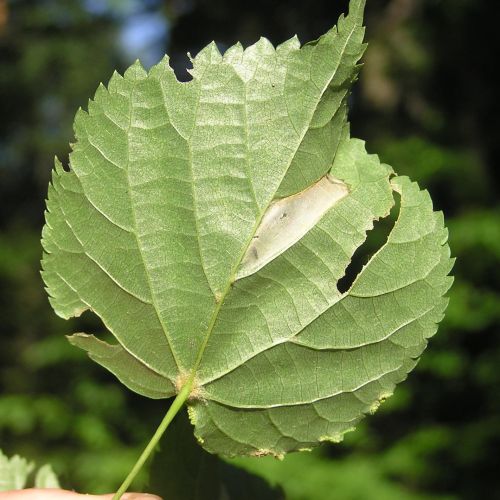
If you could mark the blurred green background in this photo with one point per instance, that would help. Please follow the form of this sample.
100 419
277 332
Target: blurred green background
427 102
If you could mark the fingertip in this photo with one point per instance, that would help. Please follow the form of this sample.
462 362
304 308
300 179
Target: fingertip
140 496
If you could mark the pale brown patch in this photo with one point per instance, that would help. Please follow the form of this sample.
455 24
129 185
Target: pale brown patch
376 404
77 312
196 393
267 453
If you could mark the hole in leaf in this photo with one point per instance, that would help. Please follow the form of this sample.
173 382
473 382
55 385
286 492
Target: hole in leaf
66 166
181 65
92 324
375 239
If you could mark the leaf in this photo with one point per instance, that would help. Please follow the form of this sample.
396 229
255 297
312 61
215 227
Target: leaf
208 224
15 473
46 478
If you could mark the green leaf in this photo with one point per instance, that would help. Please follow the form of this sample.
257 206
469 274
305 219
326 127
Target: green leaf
46 478
15 473
208 224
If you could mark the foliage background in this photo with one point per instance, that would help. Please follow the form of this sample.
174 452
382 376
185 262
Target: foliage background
427 102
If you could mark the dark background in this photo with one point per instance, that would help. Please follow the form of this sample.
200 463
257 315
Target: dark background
427 102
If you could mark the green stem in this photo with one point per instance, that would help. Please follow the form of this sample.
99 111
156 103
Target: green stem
176 405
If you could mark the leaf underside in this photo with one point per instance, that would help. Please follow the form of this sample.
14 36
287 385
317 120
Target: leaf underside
208 223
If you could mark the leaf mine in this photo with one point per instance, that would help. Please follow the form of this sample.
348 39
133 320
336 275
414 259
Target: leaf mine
287 220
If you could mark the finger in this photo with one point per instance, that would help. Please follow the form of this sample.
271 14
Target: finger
128 496
54 494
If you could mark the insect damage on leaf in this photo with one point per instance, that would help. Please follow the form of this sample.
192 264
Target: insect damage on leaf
267 453
208 224
287 220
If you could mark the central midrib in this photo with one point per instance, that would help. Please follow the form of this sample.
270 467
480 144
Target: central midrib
231 280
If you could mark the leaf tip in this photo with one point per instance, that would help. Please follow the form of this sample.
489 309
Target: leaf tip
289 45
266 44
357 8
136 71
